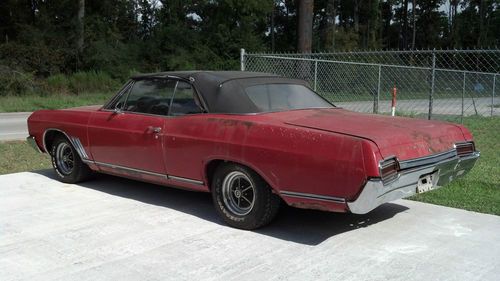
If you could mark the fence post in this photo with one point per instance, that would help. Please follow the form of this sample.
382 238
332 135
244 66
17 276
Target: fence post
315 74
431 93
242 59
493 94
377 99
463 97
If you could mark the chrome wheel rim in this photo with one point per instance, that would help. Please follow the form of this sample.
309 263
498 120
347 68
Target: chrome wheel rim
64 158
238 193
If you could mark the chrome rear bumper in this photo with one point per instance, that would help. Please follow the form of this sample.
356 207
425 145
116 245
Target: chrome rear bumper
376 193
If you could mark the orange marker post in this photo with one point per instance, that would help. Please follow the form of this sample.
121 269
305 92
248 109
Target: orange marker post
393 106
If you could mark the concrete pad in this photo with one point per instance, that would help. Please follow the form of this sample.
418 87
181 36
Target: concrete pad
118 229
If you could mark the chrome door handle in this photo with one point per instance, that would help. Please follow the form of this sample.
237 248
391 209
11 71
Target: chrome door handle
154 130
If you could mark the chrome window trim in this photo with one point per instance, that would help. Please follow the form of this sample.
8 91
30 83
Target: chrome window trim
312 196
172 99
155 115
120 93
128 87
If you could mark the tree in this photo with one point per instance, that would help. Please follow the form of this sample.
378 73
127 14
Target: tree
80 17
305 26
414 23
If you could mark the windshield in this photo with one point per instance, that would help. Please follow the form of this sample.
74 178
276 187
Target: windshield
279 97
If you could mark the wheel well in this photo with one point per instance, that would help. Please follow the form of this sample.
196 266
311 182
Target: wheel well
214 164
49 138
210 170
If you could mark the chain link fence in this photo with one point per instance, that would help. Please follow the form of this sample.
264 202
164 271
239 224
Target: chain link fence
429 84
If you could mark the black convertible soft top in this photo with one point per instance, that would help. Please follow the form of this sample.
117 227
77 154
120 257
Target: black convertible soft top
224 91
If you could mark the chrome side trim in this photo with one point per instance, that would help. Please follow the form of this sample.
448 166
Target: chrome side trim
113 166
88 161
83 155
163 176
32 142
185 180
312 196
79 147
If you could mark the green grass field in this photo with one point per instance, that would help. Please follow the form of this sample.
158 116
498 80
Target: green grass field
479 191
57 101
17 156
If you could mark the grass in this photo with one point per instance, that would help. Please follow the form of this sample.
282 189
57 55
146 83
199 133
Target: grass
478 191
19 156
56 101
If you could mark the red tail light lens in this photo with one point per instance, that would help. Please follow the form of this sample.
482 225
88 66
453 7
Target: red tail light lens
389 169
464 148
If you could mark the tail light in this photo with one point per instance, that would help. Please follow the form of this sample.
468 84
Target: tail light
389 169
465 148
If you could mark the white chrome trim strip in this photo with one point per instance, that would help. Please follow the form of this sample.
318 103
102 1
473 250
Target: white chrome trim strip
312 196
79 147
431 159
164 176
113 166
185 180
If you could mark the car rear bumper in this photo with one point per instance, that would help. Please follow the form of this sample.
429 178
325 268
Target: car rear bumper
376 192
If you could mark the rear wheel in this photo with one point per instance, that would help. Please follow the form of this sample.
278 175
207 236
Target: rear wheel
66 162
242 198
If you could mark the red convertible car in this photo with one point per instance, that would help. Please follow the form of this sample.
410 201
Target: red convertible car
253 140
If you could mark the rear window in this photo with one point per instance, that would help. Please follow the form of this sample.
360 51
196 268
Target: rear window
280 97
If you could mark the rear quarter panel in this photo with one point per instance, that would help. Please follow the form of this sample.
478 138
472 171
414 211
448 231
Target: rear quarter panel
287 157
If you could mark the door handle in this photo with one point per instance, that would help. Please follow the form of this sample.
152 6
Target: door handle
154 130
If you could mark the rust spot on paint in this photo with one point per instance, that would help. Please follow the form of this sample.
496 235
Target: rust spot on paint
318 112
422 136
231 122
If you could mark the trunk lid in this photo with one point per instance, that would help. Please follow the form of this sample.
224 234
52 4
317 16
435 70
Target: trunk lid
405 138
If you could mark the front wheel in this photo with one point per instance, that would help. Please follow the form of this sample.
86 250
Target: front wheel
66 162
242 198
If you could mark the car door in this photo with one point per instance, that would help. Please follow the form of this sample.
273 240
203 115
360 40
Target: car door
184 146
126 137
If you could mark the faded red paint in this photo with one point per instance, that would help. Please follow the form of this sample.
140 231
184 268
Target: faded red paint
329 152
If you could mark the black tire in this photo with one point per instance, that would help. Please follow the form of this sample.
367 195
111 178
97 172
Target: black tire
242 214
77 171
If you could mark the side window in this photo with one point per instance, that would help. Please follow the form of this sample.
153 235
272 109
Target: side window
119 102
185 100
150 96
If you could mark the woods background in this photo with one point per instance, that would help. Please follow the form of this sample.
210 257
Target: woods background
49 44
